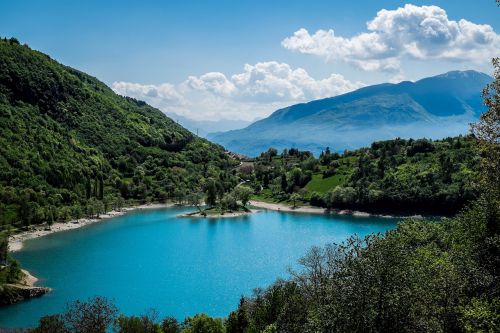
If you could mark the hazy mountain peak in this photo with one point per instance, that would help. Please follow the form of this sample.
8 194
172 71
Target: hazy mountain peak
466 74
437 106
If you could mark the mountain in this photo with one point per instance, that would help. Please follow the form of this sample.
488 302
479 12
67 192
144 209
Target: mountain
70 146
204 127
433 107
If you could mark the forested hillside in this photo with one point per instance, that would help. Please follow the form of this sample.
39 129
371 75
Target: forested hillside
407 176
69 146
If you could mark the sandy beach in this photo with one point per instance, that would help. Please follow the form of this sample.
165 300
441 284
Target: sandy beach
29 280
285 208
16 240
315 210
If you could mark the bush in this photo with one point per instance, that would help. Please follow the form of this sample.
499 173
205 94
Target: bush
201 323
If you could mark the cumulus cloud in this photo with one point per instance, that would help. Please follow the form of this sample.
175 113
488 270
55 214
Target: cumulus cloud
255 92
416 32
273 81
213 82
163 96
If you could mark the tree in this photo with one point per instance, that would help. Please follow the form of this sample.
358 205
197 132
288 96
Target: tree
170 325
26 210
228 201
487 132
211 192
88 188
294 198
134 324
481 316
119 203
179 195
243 194
99 207
237 321
4 248
107 200
101 188
14 273
201 323
194 199
272 152
50 216
51 324
93 316
76 211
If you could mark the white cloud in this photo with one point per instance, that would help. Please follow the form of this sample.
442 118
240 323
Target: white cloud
214 82
256 92
415 32
163 96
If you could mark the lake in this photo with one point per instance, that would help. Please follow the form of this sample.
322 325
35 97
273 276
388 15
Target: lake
178 266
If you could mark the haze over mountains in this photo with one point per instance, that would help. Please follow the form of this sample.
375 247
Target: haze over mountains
204 127
433 107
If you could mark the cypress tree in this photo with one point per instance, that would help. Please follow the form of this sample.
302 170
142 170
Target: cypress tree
101 188
88 188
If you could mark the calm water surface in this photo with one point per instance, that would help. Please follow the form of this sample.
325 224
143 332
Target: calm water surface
179 266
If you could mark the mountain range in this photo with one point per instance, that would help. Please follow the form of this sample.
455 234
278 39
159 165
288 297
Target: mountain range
433 107
203 127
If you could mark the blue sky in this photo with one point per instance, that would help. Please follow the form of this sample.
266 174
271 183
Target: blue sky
150 49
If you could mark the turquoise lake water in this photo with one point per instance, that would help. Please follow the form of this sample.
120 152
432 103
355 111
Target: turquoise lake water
178 266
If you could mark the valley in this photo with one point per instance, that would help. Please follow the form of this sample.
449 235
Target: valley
249 167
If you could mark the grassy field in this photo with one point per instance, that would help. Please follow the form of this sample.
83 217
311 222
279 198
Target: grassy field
264 196
323 185
342 174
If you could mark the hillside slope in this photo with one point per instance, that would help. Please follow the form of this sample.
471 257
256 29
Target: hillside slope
69 146
434 107
389 177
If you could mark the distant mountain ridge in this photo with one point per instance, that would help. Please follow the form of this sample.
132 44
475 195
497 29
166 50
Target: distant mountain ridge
203 127
433 107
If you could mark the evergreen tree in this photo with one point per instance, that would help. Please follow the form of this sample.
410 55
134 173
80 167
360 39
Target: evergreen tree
101 188
88 188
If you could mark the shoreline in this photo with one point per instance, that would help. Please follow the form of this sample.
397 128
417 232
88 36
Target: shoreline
318 210
16 241
26 288
197 214
28 280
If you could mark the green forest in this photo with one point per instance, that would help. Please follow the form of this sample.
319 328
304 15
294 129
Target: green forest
70 147
406 176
